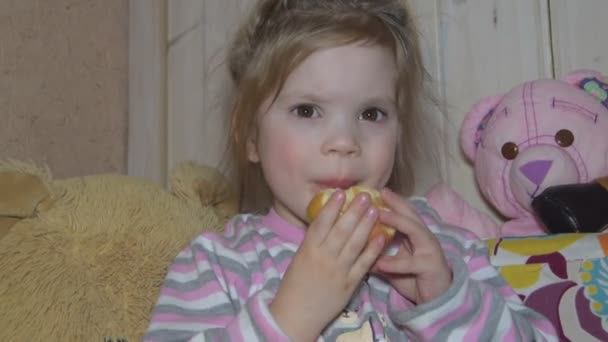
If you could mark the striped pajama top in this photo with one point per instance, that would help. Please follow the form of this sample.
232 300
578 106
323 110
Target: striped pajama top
219 288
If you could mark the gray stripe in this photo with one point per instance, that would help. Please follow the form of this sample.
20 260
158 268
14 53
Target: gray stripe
421 206
460 275
497 281
492 318
246 220
272 284
241 221
393 334
522 320
445 239
465 318
183 260
169 335
497 308
258 333
221 309
251 234
236 266
377 293
264 256
216 334
195 284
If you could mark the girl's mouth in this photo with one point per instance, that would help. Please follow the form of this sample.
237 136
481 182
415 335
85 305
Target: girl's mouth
336 183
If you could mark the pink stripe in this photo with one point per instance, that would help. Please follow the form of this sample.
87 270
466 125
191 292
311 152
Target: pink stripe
467 235
202 257
219 321
282 267
234 279
252 245
511 336
183 268
235 331
450 248
477 263
398 302
462 309
546 327
258 278
507 292
476 328
226 237
200 293
258 308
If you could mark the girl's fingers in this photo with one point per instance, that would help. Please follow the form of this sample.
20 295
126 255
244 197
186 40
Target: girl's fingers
346 225
416 232
329 213
368 258
406 262
401 263
400 205
359 237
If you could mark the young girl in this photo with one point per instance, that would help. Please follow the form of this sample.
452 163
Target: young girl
328 94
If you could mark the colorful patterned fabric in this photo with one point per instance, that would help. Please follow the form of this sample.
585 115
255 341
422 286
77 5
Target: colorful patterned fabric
562 276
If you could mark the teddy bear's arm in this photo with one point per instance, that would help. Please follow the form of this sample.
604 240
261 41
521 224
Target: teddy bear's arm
455 210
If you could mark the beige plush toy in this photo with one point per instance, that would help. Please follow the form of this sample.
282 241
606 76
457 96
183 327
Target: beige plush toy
83 259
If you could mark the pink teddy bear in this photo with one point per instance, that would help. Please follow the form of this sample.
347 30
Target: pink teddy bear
540 134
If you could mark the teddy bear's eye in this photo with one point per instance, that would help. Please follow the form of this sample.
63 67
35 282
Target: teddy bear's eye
564 138
509 150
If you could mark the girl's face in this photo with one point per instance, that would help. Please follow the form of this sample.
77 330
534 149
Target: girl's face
334 124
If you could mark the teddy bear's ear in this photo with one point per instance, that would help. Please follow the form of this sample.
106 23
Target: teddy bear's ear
24 186
591 81
204 186
474 123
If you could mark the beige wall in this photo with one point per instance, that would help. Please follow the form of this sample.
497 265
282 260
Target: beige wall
63 84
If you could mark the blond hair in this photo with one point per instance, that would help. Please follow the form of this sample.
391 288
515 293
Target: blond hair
279 35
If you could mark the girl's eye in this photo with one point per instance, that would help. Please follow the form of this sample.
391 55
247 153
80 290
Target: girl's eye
305 111
373 114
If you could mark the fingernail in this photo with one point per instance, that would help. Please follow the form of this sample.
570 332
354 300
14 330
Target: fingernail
339 195
372 213
364 199
379 241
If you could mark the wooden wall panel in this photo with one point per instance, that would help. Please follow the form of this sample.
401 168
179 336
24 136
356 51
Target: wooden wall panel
147 145
199 33
486 47
472 48
579 35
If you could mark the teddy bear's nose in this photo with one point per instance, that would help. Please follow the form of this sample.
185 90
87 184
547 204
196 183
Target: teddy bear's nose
536 170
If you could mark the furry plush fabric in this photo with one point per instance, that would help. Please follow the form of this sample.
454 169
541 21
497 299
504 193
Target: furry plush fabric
83 258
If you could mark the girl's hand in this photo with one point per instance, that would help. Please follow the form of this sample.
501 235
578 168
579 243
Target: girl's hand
327 268
419 270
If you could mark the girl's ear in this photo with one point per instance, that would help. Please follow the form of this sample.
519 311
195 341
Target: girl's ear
252 151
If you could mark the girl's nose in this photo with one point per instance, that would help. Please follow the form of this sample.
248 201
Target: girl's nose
342 142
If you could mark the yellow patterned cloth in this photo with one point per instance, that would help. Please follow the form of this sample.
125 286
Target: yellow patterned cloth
563 276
